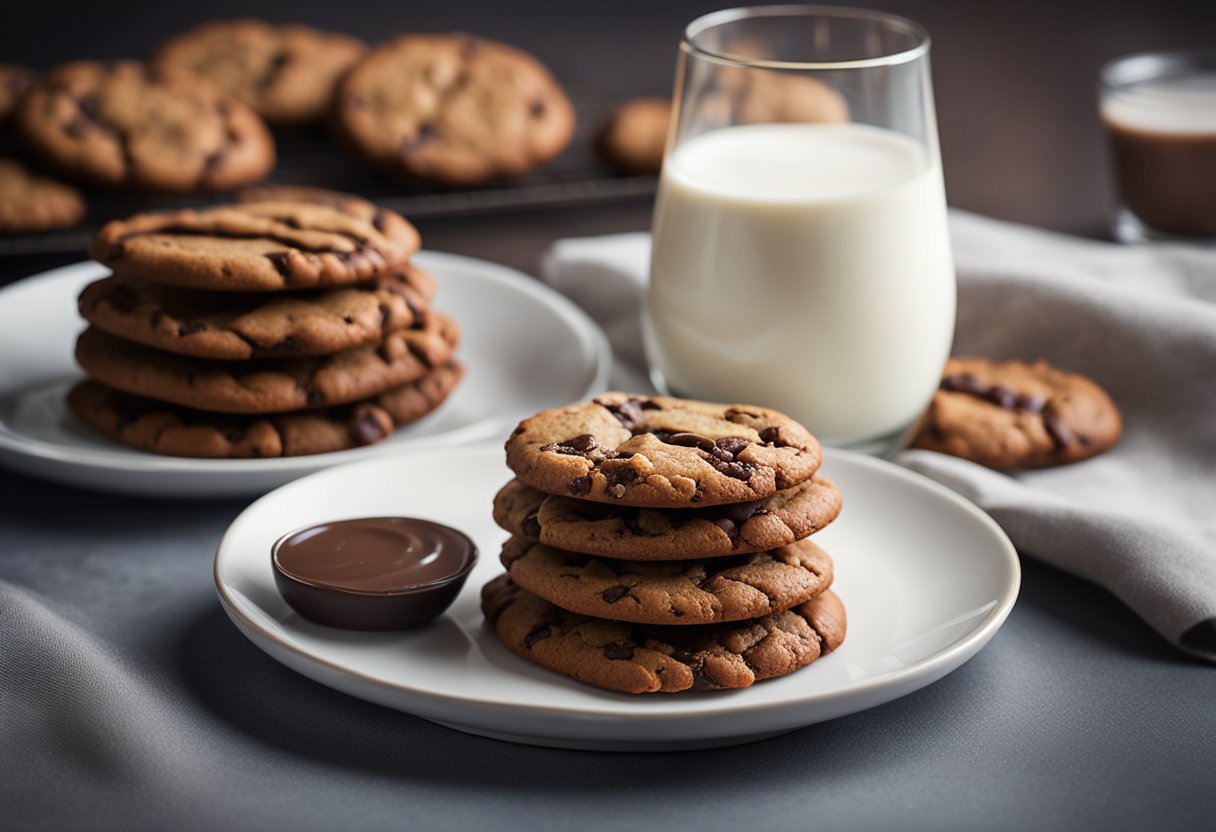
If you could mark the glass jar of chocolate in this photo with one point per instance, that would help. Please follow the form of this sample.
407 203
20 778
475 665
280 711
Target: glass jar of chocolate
1159 109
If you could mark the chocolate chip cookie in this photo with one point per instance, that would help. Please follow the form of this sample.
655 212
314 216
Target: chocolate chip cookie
244 325
177 431
127 125
639 658
643 534
635 135
287 73
661 452
453 108
14 81
32 203
678 592
269 386
258 246
1009 414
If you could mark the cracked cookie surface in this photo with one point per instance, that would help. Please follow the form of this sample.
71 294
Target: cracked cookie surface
258 246
641 534
235 326
165 429
286 73
453 108
1009 414
32 203
639 658
269 386
661 452
128 125
684 592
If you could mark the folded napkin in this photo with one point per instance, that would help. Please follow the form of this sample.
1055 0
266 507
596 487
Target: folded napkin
1140 519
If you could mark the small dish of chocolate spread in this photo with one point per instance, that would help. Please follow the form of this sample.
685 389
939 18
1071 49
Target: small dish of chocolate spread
372 573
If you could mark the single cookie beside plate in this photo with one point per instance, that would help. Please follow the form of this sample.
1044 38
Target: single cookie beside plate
1010 414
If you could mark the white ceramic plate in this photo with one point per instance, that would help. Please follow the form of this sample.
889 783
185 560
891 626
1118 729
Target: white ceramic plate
926 578
524 347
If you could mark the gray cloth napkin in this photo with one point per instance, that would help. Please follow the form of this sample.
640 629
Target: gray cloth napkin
1140 519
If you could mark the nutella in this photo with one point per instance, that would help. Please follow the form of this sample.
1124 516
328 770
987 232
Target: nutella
373 573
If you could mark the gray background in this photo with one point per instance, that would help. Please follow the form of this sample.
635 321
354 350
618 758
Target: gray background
127 700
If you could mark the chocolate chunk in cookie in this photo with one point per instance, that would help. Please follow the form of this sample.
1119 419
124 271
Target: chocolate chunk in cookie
453 108
1010 414
258 246
639 658
243 325
635 135
287 73
647 534
662 452
127 125
32 203
685 592
269 386
177 431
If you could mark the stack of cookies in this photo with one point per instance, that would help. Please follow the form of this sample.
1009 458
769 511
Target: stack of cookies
660 545
262 329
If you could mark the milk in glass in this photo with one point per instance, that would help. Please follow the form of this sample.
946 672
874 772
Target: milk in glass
804 267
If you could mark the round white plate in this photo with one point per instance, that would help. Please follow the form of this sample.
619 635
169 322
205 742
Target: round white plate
524 347
926 577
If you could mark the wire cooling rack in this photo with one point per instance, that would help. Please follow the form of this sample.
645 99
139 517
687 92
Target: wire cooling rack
310 156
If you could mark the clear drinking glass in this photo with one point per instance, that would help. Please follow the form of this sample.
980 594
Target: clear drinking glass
801 256
1159 109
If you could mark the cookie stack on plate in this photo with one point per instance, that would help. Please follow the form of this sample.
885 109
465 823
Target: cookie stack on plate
291 324
660 545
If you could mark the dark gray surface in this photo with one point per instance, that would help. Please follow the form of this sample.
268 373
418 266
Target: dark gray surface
1075 716
158 713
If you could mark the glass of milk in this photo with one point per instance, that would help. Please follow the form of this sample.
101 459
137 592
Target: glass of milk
1159 109
801 256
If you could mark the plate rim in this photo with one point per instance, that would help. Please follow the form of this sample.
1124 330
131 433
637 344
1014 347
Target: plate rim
129 461
942 660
